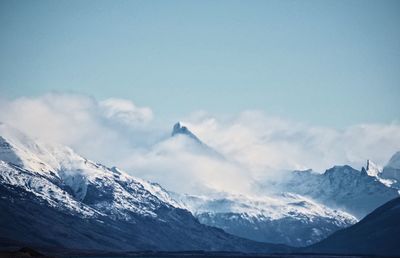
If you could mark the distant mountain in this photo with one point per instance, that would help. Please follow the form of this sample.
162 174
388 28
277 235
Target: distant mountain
376 234
392 169
50 197
286 218
343 187
371 169
178 129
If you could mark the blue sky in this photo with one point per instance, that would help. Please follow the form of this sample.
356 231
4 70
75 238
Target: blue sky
334 63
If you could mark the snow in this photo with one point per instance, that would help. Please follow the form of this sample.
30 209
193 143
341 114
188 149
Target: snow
344 188
49 169
271 207
372 169
41 187
278 218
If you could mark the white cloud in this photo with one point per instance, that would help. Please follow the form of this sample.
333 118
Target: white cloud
103 131
179 163
255 146
125 111
264 143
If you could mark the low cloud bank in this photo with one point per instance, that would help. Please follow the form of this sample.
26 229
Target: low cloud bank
254 146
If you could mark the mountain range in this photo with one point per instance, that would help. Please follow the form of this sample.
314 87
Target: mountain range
357 192
49 190
301 209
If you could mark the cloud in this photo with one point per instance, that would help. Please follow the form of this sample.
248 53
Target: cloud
255 146
182 165
103 131
126 112
268 144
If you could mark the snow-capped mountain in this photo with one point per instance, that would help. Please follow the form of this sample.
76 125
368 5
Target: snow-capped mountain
392 168
343 187
286 218
109 190
52 197
372 169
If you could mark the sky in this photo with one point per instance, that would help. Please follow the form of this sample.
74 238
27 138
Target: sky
324 63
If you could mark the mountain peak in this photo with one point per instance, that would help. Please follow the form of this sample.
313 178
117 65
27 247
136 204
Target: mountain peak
179 129
372 169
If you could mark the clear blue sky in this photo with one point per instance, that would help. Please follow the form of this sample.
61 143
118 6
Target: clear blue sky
331 63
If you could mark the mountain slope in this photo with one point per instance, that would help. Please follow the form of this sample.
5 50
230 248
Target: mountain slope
51 197
376 234
285 218
392 169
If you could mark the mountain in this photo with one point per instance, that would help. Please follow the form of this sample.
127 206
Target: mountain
286 218
372 169
343 187
50 197
376 234
392 168
178 129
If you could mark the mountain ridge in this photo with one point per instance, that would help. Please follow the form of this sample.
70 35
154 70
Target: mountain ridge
343 187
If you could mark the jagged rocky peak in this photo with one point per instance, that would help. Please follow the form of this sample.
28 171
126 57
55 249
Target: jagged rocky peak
178 129
372 169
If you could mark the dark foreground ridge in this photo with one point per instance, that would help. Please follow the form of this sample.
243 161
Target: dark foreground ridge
376 234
